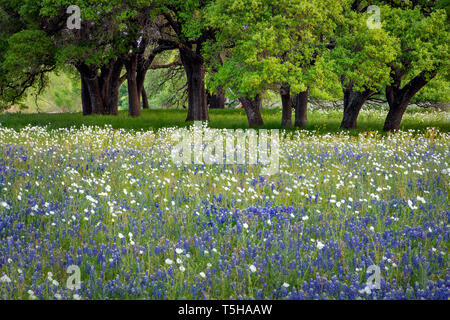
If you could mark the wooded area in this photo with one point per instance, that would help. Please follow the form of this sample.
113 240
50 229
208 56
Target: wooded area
229 50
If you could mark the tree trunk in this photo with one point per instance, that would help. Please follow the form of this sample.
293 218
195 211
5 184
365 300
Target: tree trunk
134 104
252 108
140 78
144 99
286 116
100 93
399 99
353 102
112 86
197 107
85 100
395 115
113 99
216 100
301 107
95 95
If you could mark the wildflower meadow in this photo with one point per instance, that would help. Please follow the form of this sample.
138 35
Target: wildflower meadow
218 158
103 213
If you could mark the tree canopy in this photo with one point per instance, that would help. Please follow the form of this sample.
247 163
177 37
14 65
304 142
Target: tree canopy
243 48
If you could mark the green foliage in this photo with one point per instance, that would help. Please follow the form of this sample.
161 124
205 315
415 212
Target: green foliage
362 55
29 56
272 42
123 97
41 42
424 40
437 90
425 6
166 87
27 49
62 94
188 14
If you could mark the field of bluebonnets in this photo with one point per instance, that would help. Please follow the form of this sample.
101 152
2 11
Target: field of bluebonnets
111 202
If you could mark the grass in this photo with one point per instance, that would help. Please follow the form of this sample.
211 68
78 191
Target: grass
322 121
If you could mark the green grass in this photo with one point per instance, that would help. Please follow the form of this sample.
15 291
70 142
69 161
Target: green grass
320 120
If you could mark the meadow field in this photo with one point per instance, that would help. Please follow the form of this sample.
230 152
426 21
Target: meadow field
321 120
101 194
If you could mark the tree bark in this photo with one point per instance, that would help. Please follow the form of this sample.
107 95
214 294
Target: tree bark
116 82
301 106
140 78
193 66
353 102
286 116
216 100
85 100
95 95
110 83
134 104
100 92
144 99
399 99
92 91
252 107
